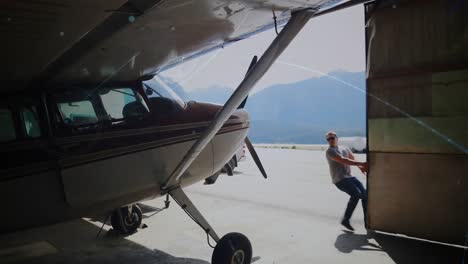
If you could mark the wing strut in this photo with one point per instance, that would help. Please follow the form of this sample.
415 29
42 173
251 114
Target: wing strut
279 44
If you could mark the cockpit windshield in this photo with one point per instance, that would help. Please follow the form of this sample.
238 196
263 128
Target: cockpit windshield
158 88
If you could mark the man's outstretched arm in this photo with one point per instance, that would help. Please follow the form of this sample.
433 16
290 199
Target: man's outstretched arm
363 167
347 161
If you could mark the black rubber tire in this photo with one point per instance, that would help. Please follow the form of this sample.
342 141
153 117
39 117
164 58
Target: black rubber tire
212 179
127 225
230 245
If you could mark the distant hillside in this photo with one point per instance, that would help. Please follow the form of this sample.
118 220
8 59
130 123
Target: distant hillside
300 112
215 94
176 87
294 132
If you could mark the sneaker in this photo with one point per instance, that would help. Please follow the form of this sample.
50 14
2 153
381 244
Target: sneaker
346 224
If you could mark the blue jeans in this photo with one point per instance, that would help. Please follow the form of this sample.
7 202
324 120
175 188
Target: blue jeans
356 191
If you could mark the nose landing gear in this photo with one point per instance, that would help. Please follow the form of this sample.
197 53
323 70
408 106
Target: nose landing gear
233 248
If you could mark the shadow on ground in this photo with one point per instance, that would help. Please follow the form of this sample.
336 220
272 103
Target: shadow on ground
401 250
75 242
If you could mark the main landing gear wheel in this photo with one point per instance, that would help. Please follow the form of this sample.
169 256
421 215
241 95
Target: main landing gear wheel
126 220
233 248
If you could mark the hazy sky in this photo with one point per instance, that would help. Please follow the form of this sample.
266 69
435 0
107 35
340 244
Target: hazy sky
327 43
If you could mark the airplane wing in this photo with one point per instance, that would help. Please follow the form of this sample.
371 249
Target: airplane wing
115 40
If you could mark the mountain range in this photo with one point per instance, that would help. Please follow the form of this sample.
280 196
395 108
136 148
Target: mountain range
299 112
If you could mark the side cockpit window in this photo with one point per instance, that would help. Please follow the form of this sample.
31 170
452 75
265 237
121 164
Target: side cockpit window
77 113
85 110
7 125
122 103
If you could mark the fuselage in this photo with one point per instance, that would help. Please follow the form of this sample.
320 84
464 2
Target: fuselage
85 150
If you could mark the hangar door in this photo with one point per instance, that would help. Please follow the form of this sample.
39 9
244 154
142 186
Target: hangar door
417 108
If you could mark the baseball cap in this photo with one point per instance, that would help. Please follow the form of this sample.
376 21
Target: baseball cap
330 134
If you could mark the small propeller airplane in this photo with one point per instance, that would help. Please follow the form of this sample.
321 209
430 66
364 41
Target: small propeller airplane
88 127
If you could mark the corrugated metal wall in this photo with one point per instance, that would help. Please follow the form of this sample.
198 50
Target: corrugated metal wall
417 64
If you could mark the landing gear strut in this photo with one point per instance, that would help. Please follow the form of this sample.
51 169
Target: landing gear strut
126 220
233 248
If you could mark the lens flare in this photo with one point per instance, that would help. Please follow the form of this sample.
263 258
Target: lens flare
386 103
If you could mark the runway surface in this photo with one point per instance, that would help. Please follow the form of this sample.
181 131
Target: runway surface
292 217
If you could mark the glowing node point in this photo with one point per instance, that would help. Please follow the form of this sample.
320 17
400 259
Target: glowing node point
131 19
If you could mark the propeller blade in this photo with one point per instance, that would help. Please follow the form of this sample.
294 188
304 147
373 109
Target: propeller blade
247 140
255 157
252 63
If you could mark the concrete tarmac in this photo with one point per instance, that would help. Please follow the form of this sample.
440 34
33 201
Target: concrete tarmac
292 217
